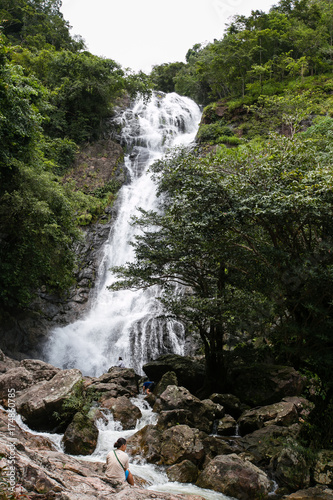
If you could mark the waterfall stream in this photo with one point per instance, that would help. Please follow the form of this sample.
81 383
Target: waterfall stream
109 431
127 323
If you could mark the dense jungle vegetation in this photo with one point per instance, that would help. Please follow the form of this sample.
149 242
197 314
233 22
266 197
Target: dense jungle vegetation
247 219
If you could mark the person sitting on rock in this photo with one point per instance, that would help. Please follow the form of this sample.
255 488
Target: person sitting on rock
117 464
148 386
120 362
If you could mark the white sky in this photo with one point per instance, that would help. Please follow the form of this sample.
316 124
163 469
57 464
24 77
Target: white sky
138 34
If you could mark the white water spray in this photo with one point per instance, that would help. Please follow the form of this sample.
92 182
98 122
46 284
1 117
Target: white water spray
127 323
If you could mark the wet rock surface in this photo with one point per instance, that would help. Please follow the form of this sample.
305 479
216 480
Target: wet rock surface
189 373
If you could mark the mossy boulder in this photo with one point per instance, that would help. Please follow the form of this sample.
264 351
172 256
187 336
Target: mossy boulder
81 435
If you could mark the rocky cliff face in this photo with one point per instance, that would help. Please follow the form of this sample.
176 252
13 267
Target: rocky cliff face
22 331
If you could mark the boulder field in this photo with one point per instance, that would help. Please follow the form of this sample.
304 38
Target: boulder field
224 443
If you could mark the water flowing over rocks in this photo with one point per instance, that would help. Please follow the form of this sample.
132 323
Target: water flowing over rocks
23 332
242 467
123 411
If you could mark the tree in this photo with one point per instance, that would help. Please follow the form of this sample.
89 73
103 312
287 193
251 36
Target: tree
36 24
164 74
192 247
37 223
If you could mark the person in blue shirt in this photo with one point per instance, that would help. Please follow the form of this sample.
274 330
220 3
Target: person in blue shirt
148 386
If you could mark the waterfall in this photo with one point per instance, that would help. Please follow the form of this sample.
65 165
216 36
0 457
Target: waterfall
128 323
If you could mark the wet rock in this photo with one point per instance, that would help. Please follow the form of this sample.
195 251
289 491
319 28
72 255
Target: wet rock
291 468
180 403
182 443
25 374
146 443
44 473
170 418
39 403
235 477
123 411
323 469
169 378
7 363
264 384
80 437
128 493
190 373
316 493
267 443
226 426
218 445
230 403
117 382
284 413
184 472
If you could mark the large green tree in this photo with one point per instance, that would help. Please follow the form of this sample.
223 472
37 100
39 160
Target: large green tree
37 224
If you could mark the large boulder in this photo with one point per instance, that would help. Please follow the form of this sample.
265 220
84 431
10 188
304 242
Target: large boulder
182 443
185 472
315 493
267 443
284 413
235 477
80 437
40 403
169 378
291 468
178 405
232 405
218 445
146 443
226 426
7 363
23 375
190 373
123 411
323 469
117 382
264 384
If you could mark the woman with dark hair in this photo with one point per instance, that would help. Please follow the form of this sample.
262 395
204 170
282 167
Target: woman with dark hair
117 464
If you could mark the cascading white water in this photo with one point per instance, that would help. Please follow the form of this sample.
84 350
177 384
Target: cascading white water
127 323
110 430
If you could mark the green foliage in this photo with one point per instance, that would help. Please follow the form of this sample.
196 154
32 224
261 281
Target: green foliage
61 152
213 131
261 51
81 400
37 24
36 220
112 186
163 76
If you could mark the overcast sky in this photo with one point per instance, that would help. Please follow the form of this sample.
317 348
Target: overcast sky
138 34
